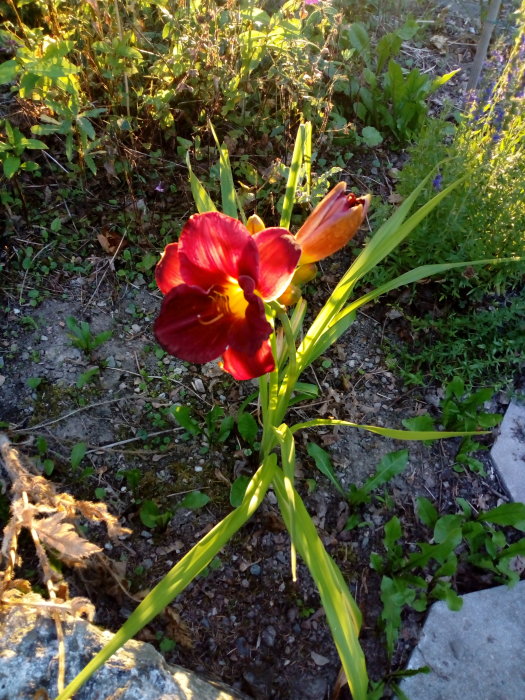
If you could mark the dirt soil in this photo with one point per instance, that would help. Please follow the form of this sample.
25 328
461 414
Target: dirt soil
244 621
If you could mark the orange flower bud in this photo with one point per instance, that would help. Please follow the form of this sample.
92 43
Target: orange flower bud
333 222
290 296
255 224
304 274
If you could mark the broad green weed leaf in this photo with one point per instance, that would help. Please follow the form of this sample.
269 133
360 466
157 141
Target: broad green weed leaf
324 464
248 427
238 489
8 71
391 465
371 136
77 454
426 512
508 514
182 415
11 166
194 500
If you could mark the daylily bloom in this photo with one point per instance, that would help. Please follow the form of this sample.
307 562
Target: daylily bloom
333 222
215 279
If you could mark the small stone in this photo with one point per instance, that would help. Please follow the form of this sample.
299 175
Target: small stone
255 570
318 659
268 635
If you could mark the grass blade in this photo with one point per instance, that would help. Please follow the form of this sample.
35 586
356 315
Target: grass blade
228 195
202 199
293 177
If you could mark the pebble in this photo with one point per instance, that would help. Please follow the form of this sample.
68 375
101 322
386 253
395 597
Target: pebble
268 635
255 570
242 647
146 534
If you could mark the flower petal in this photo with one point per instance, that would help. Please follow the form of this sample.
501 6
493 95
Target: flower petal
278 258
248 332
214 248
191 326
248 366
167 272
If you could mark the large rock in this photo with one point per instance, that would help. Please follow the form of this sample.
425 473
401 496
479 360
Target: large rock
476 653
28 661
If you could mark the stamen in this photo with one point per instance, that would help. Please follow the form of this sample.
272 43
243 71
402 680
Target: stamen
213 320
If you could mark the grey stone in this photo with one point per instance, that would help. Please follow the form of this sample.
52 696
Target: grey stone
477 653
28 661
508 452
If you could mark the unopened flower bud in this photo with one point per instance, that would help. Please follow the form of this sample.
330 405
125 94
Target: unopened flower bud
255 224
333 222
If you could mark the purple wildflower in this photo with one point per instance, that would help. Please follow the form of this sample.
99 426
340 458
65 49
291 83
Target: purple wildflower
436 182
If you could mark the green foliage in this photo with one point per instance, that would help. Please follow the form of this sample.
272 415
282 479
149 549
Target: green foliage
77 455
477 327
43 461
427 573
238 489
153 517
82 337
390 466
12 151
383 94
462 411
485 344
87 377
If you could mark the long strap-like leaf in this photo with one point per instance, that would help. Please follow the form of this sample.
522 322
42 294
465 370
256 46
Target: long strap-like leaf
342 613
182 573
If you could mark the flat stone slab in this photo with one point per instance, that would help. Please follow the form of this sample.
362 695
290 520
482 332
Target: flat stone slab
477 653
508 452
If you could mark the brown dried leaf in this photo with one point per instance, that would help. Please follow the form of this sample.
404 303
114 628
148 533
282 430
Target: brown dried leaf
177 629
111 242
63 537
395 198
99 511
440 42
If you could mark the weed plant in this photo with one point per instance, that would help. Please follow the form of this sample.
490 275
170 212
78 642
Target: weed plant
482 332
102 80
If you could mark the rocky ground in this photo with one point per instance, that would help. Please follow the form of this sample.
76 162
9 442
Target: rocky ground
243 621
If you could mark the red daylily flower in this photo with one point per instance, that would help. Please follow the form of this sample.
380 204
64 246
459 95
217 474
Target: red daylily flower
215 280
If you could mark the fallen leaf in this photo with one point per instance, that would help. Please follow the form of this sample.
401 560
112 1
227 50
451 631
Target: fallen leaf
440 42
177 629
111 242
395 198
63 537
